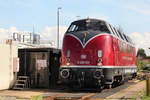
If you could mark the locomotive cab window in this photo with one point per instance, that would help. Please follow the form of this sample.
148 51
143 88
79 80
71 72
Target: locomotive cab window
85 25
76 27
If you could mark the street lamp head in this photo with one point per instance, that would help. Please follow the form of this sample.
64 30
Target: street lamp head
78 17
59 8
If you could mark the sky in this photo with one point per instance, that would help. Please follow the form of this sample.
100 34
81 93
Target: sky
21 15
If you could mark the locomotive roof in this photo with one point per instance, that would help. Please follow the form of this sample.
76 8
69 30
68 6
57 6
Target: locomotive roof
99 20
88 20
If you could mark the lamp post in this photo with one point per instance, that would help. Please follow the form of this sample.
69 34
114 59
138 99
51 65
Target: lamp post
148 84
58 27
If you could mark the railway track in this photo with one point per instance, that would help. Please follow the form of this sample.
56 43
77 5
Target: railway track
86 94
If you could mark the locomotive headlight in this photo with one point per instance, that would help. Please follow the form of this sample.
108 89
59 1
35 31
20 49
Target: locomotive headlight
64 73
99 62
99 53
68 62
68 53
97 74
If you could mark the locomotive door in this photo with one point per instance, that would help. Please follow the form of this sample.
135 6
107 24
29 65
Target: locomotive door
39 70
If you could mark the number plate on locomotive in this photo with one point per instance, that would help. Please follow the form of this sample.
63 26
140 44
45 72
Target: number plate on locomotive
83 56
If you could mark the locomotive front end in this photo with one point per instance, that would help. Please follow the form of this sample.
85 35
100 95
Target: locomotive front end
82 53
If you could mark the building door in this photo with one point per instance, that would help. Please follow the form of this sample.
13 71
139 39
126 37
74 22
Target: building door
39 70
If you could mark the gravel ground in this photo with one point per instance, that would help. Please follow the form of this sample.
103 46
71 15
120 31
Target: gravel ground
129 93
108 92
7 98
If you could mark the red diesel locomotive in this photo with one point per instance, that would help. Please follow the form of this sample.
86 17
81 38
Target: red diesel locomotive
94 53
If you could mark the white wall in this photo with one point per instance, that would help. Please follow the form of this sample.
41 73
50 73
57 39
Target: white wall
7 53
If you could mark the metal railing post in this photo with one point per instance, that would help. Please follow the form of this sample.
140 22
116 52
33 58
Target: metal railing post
148 85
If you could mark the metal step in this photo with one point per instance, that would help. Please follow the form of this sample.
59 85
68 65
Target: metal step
17 88
19 84
23 77
21 80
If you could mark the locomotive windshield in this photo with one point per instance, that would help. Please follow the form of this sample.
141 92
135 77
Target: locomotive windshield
85 25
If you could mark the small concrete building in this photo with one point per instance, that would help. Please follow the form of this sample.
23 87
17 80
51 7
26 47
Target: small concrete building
8 64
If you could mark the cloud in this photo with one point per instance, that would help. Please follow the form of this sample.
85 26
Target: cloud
50 33
141 41
12 29
7 33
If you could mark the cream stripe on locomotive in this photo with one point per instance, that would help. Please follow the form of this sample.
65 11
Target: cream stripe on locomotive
99 66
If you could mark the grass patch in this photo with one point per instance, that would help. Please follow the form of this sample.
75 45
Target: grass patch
144 96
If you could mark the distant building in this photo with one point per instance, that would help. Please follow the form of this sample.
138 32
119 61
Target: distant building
146 60
27 37
31 40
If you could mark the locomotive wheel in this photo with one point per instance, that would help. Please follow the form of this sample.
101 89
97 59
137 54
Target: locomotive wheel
100 87
108 86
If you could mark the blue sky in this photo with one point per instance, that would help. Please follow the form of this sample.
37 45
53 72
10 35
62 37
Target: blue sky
132 15
24 13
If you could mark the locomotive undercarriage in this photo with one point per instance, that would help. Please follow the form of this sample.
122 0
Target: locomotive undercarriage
96 78
83 77
117 76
